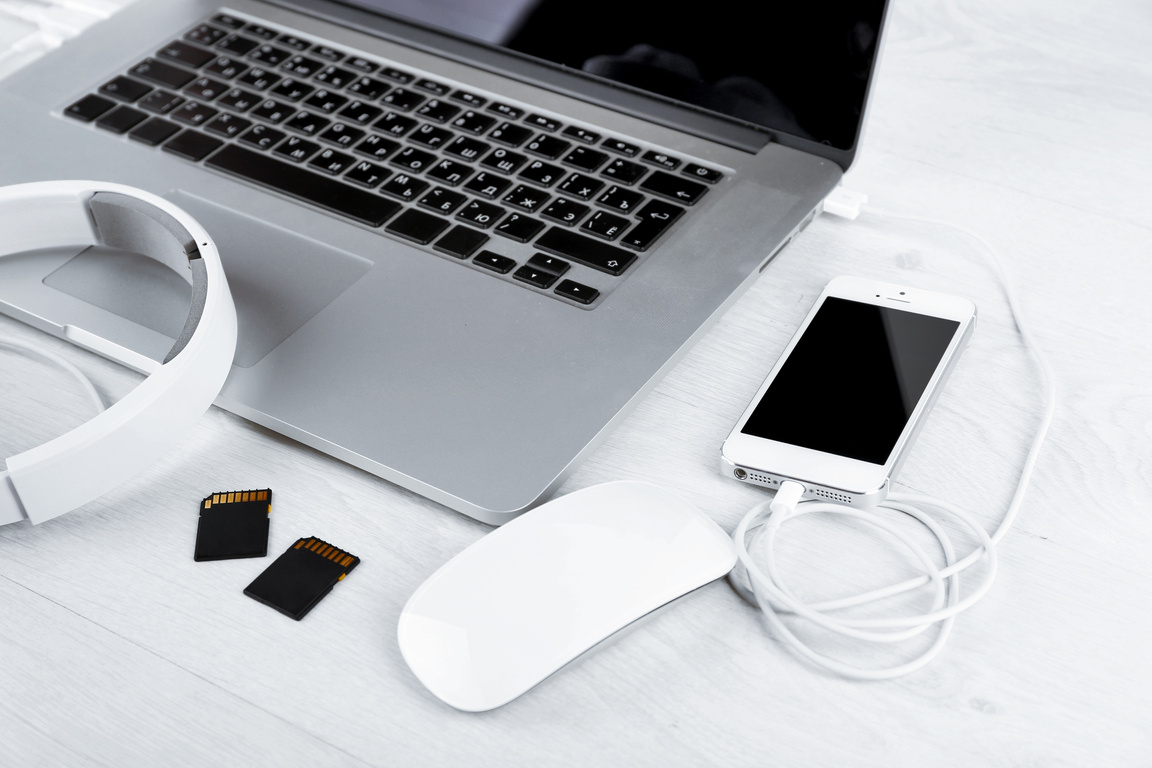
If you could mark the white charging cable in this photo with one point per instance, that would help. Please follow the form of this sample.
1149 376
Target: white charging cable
765 588
60 362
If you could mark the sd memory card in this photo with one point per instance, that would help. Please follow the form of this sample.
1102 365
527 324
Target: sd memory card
233 525
296 581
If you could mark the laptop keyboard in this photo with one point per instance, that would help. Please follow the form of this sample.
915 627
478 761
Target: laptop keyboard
447 168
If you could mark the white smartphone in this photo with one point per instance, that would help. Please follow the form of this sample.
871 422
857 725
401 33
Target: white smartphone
843 404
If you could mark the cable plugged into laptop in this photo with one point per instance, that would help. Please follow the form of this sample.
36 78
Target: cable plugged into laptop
762 583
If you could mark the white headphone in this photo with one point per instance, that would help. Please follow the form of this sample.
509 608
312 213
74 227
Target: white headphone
94 458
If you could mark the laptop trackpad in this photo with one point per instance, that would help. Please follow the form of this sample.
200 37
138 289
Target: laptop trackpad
279 279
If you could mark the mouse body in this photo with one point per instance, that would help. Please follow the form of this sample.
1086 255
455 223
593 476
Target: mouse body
533 595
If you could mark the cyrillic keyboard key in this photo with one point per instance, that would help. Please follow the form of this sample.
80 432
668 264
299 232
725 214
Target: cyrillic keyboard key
598 255
310 187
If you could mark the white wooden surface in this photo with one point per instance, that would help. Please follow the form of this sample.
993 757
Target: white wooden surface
1030 122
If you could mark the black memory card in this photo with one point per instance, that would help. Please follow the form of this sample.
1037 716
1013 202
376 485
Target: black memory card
233 525
296 581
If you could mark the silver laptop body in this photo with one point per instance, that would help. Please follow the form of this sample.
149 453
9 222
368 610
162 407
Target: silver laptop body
461 368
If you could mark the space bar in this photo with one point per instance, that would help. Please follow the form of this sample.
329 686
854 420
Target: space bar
310 187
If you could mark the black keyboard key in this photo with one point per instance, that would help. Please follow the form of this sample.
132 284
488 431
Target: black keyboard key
292 89
205 34
442 200
332 162
154 132
466 148
431 136
259 78
124 89
226 67
269 55
414 160
368 88
565 211
342 134
621 147
186 54
473 122
624 172
460 242
308 123
581 134
661 159
506 110
504 161
237 44
326 101
481 214
273 111
581 186
404 186
487 185
161 102
594 253
377 147
438 111
301 66
121 120
360 112
417 226
395 74
675 187
367 174
699 172
547 263
432 87
295 43
606 225
548 146
262 137
545 123
535 277
528 198
510 135
206 88
585 159
470 99
544 174
162 74
328 54
296 149
260 31
362 65
394 124
191 145
296 182
335 77
193 113
570 289
228 125
494 262
518 227
403 99
620 199
228 20
450 172
655 217
239 100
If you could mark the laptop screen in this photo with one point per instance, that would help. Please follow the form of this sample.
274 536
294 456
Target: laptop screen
798 68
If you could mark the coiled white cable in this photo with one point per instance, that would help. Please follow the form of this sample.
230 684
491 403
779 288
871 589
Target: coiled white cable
60 362
765 588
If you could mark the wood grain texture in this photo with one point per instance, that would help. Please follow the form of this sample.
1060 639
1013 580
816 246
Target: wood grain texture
1028 122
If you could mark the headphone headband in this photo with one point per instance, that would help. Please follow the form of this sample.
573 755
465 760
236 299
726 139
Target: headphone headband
77 467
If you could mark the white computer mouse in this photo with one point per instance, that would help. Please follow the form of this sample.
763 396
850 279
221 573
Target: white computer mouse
531 596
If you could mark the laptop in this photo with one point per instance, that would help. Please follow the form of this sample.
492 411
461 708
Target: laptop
464 237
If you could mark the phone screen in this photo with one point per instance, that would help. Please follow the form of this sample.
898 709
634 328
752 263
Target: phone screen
853 380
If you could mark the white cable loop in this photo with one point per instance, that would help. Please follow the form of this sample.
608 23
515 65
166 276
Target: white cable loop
765 588
60 362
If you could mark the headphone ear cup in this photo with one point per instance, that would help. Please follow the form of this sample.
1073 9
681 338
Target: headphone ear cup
85 463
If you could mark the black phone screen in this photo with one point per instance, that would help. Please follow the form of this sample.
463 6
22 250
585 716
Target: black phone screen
853 380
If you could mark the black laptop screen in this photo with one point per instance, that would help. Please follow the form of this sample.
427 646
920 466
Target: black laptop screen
799 68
